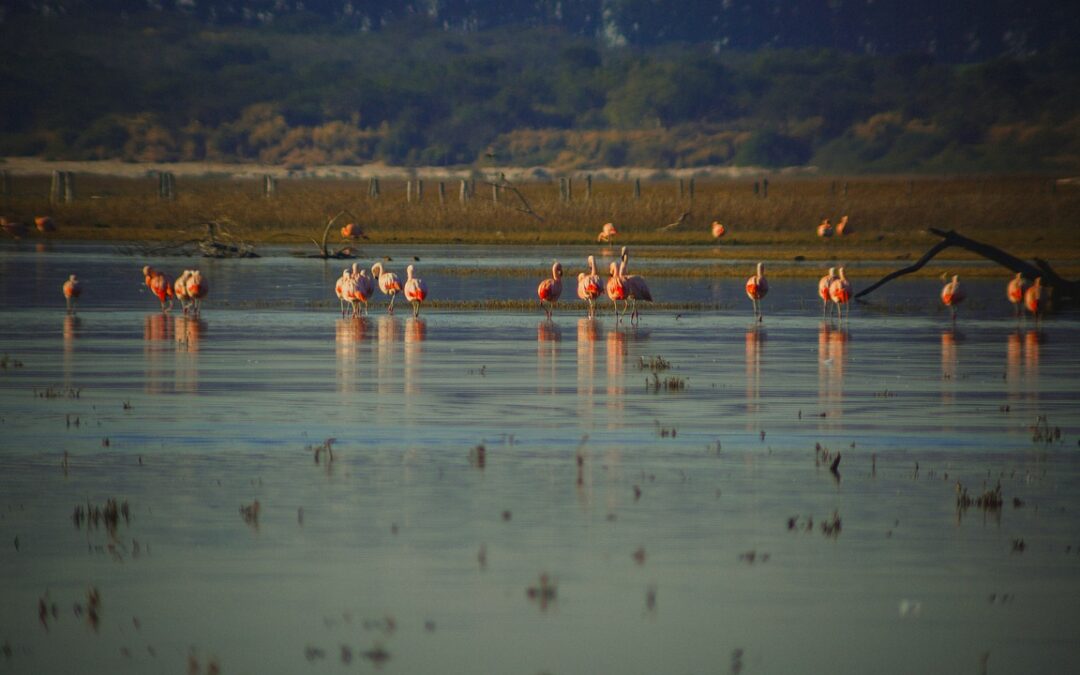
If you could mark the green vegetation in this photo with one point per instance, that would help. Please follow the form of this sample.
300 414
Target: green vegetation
169 87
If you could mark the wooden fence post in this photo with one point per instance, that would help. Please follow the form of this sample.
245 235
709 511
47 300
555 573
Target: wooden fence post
69 187
269 186
408 191
442 193
494 193
680 189
637 188
373 187
166 185
764 188
588 188
845 188
691 190
56 188
463 193
419 191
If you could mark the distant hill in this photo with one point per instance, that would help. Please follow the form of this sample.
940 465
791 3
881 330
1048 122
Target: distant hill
847 86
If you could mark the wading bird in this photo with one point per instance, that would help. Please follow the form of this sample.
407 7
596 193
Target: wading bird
415 290
615 288
823 286
1035 298
952 295
825 229
389 284
589 286
1015 291
180 290
549 290
606 233
363 289
840 293
160 285
72 291
842 228
718 230
197 289
353 231
339 289
757 287
636 288
45 224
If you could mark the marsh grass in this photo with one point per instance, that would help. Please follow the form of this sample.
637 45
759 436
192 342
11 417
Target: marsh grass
889 216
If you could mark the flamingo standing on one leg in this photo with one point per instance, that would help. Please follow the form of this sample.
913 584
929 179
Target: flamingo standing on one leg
339 289
757 287
72 291
636 288
1035 299
549 290
589 286
1016 289
606 233
389 284
823 286
952 295
197 289
415 290
616 289
840 293
180 290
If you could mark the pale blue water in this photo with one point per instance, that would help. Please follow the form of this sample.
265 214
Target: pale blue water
220 411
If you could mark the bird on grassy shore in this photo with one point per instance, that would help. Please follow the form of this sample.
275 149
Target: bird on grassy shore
636 288
842 227
757 287
389 284
353 231
718 230
1035 298
825 229
1015 291
952 294
549 290
415 290
606 233
589 286
840 292
615 289
824 284
72 291
45 224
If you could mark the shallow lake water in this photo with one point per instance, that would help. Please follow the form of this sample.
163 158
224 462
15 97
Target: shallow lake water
689 529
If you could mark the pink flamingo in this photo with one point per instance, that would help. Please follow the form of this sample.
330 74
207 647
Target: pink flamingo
45 224
757 287
823 286
589 286
339 289
180 290
549 290
1016 289
1035 299
952 295
363 289
72 291
353 231
15 229
606 233
389 284
160 286
197 289
415 290
825 229
636 288
842 228
840 293
616 289
718 230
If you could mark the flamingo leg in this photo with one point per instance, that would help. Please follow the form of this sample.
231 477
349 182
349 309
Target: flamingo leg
416 309
390 307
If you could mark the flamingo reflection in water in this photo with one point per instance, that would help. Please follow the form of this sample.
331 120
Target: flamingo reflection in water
950 361
832 359
548 337
188 332
71 332
755 347
588 332
388 330
349 334
415 334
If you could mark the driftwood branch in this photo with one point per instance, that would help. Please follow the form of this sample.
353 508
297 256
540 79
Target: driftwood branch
525 207
671 226
1065 290
326 232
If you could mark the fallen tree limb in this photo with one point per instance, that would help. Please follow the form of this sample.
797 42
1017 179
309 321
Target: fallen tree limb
525 207
1065 290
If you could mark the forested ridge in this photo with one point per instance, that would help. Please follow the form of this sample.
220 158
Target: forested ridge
567 85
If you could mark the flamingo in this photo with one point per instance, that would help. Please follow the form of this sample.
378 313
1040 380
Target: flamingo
363 289
636 288
197 288
1016 289
757 287
840 293
415 290
180 290
842 228
615 288
353 231
825 229
45 224
14 228
549 290
606 233
589 286
1035 299
389 284
160 286
718 230
823 286
339 289
952 295
72 291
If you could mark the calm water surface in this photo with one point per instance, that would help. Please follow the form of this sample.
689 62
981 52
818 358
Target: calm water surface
688 539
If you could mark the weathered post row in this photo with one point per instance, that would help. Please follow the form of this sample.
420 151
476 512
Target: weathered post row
62 188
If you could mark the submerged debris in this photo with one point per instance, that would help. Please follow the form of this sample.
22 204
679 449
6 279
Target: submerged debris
326 446
543 592
655 364
108 515
990 500
478 456
1042 433
250 513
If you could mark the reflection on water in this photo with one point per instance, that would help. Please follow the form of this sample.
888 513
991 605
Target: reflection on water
189 333
588 332
157 347
950 337
415 334
72 324
548 337
388 329
349 334
832 359
615 343
755 346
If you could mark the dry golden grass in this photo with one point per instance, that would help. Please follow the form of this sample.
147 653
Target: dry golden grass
889 216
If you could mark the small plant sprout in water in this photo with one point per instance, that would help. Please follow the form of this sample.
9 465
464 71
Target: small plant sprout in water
250 513
326 447
1042 433
543 592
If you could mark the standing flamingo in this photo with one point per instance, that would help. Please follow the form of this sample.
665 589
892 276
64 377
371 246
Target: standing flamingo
1035 299
197 289
415 290
45 224
72 291
389 284
180 290
1016 289
823 286
160 286
353 231
363 289
606 233
825 229
615 288
636 288
339 289
842 227
589 286
952 295
840 293
718 230
549 290
757 287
